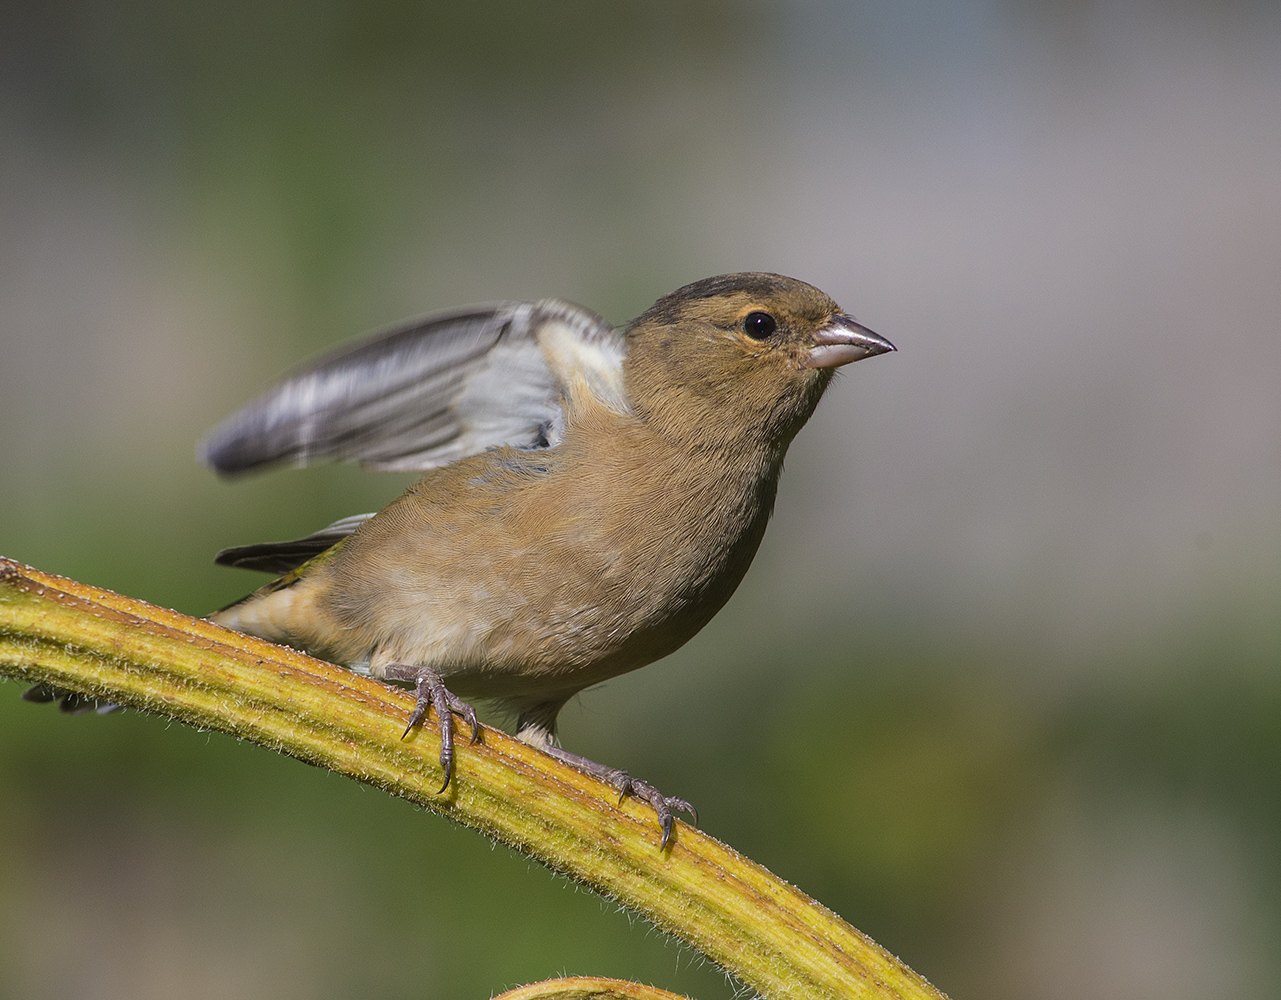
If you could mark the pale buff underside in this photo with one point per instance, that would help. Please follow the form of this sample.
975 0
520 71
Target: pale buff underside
529 575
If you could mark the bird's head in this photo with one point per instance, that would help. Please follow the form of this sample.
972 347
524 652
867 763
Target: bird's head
740 357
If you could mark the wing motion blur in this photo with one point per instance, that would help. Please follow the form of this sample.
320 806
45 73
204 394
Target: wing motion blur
429 392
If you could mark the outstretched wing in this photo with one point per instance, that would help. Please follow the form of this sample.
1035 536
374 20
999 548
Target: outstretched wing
431 391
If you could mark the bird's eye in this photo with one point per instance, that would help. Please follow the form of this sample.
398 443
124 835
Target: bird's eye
759 325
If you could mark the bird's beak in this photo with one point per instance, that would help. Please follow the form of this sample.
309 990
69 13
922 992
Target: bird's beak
841 341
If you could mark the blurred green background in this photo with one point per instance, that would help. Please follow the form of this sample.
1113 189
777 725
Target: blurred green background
1021 594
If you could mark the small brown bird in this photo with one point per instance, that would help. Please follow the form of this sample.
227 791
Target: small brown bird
593 496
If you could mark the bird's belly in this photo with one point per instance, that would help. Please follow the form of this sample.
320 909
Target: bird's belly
562 619
549 582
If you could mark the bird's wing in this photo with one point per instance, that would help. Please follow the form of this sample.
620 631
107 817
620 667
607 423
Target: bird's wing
432 391
281 557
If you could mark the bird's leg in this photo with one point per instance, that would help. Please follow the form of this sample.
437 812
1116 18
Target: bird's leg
536 729
432 693
627 785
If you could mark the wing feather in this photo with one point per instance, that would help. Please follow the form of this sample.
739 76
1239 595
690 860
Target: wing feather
428 392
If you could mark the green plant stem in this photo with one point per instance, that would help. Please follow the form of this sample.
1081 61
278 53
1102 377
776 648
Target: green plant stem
770 935
587 988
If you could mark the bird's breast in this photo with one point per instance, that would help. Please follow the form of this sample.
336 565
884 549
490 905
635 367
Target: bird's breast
516 570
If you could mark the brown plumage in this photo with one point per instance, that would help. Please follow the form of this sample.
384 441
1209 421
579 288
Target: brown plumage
600 541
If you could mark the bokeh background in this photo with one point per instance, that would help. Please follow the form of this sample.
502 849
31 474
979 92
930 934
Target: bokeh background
1003 687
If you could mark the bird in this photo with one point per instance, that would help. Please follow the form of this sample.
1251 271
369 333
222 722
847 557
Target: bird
591 496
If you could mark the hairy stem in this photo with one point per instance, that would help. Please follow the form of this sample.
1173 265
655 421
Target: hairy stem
770 935
587 988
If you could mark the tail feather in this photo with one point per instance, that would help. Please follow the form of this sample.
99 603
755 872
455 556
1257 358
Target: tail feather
68 701
282 557
264 613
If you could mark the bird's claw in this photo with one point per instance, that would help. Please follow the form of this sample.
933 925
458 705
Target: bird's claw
627 786
661 804
432 693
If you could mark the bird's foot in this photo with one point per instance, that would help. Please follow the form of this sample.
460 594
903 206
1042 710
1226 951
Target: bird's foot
626 785
432 693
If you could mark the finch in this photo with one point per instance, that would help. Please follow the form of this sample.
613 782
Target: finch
591 497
